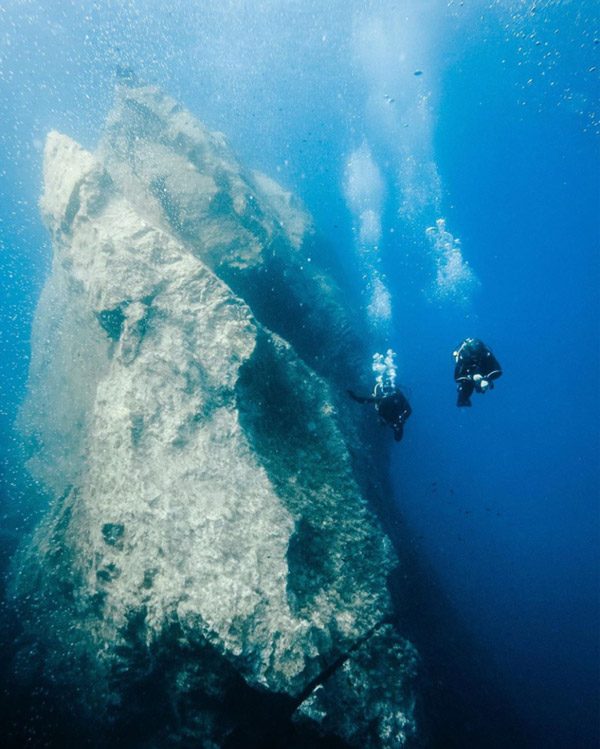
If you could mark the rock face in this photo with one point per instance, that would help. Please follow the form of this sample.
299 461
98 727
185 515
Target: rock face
209 544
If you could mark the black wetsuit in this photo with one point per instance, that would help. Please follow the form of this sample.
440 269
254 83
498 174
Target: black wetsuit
473 358
393 409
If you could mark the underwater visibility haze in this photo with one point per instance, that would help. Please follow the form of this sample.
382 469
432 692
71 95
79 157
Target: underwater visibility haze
213 215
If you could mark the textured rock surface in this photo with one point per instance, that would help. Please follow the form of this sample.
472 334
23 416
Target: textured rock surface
208 537
254 235
375 709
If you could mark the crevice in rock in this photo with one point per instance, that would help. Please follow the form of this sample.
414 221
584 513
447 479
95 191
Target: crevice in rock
308 568
72 207
326 673
128 323
111 321
167 201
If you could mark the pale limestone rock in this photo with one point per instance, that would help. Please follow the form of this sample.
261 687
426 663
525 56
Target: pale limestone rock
207 531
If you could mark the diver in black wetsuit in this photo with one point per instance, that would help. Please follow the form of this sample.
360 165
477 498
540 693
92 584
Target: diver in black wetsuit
392 406
476 369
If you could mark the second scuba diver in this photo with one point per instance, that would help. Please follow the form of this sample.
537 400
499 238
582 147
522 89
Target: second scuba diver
392 407
476 369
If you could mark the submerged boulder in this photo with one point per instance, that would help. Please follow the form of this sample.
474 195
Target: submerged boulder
208 555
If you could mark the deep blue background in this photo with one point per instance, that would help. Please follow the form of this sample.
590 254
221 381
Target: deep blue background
502 498
513 522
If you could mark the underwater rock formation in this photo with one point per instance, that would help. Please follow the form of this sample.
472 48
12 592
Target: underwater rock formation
208 556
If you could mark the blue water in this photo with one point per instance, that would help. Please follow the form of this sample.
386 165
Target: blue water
502 124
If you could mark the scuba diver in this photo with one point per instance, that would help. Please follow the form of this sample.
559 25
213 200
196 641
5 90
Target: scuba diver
393 409
392 406
476 369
